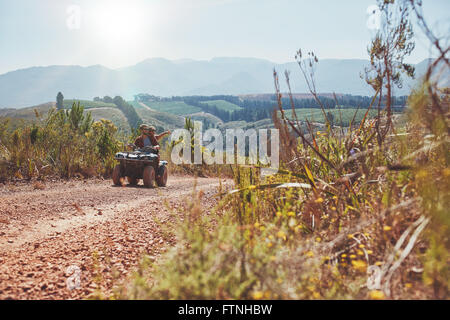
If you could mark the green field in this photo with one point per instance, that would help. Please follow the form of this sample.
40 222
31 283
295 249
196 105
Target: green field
223 105
261 124
316 115
88 104
157 118
174 107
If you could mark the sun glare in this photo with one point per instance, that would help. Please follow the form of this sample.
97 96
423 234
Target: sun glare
118 24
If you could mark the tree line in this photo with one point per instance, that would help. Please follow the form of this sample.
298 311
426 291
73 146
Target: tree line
257 109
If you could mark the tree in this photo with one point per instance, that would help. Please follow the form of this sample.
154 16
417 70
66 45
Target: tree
391 44
128 110
107 99
60 101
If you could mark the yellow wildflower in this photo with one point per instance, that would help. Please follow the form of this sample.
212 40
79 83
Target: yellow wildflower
319 200
446 172
291 214
387 228
258 295
310 254
408 285
256 224
311 288
376 295
359 265
362 246
352 256
278 214
369 251
281 234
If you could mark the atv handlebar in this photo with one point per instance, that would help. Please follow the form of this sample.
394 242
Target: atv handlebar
149 149
145 149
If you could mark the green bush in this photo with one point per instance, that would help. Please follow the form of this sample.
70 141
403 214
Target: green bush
65 144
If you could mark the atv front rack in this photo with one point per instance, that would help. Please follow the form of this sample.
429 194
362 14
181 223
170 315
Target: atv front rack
133 156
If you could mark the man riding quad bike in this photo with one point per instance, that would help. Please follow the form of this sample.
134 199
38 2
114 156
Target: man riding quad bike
143 162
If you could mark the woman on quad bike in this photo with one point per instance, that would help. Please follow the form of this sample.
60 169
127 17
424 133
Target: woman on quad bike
148 137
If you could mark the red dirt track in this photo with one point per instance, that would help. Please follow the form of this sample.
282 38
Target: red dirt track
91 225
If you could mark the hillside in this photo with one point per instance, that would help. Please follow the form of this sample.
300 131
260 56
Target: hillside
157 118
170 113
88 104
113 114
223 105
28 113
174 107
206 117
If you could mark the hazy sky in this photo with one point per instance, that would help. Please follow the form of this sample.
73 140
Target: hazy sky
123 32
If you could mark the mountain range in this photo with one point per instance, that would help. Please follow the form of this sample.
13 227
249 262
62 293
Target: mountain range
162 77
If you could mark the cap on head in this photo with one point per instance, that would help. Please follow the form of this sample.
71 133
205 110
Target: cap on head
147 127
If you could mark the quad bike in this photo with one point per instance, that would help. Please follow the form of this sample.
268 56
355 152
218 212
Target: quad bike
140 164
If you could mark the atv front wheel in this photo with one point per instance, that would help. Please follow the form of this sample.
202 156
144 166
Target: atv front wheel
117 175
161 180
149 177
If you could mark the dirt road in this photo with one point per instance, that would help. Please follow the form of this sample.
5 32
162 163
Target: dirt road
59 230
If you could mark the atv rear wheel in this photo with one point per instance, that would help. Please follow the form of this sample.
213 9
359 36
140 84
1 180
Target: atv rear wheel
149 177
117 177
132 181
161 180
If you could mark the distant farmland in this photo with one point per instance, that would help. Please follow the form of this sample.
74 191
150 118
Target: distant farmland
174 107
223 105
316 115
157 118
